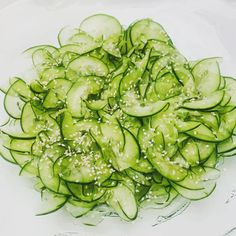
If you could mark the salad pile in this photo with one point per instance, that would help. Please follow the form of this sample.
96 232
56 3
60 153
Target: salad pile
119 117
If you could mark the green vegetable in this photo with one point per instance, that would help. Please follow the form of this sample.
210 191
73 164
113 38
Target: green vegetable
119 118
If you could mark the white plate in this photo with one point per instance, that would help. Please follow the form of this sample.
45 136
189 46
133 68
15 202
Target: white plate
198 29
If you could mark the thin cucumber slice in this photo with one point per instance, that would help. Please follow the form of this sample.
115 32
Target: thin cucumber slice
207 75
51 100
71 40
87 65
131 106
159 65
205 149
123 202
195 194
230 88
30 168
14 130
79 49
153 204
49 74
86 193
198 178
146 29
167 168
51 202
121 157
28 120
56 96
157 195
144 166
113 134
5 153
69 131
36 87
227 145
167 86
49 177
191 153
66 35
20 145
15 98
21 158
203 133
31 50
186 126
79 92
77 169
137 177
102 26
161 49
208 102
44 58
212 160
79 208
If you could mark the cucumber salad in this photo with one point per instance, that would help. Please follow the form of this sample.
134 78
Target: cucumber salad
117 117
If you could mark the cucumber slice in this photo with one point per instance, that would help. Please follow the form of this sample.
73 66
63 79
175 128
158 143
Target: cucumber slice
66 35
123 202
208 102
14 130
20 145
207 75
49 177
212 160
199 178
144 166
137 177
51 73
75 169
51 202
186 126
191 153
205 149
230 88
72 40
79 208
45 57
15 98
86 193
21 158
146 29
28 120
227 145
87 65
160 65
133 107
203 133
167 168
195 194
102 26
161 49
121 157
79 92
167 86
5 153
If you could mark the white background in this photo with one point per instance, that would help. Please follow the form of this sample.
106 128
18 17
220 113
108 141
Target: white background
202 28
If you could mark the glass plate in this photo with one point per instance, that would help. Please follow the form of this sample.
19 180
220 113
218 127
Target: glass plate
199 29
